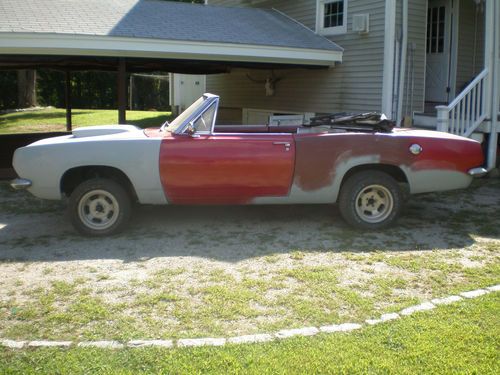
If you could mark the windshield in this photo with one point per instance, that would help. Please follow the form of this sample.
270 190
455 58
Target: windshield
181 119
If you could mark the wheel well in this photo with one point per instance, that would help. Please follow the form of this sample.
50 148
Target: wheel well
75 176
391 170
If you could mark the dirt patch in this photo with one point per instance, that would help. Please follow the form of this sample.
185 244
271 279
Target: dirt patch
202 271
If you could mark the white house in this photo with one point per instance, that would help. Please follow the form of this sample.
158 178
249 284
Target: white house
435 62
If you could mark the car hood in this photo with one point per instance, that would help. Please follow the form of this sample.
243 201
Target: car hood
93 131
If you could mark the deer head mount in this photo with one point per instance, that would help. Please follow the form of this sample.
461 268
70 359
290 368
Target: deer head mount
269 82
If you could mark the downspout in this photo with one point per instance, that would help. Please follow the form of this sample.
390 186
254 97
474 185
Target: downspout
475 41
389 61
402 62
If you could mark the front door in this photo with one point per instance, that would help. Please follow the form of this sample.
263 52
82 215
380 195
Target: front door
226 168
437 78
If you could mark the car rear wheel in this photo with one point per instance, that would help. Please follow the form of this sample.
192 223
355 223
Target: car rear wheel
99 207
370 200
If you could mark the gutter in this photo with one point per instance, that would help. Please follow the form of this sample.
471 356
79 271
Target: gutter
98 45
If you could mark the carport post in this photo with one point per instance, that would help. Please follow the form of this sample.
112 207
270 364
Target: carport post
122 91
67 98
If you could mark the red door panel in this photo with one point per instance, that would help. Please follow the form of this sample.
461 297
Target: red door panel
226 169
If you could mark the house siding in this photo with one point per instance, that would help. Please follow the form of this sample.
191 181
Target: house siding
354 85
470 54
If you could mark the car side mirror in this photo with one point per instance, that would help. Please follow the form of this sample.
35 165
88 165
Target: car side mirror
191 130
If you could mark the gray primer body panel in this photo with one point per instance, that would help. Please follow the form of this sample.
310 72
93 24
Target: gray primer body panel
45 162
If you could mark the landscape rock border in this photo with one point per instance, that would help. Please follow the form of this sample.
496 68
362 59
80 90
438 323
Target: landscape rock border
249 339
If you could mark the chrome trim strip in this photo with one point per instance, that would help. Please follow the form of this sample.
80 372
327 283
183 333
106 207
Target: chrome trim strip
20 183
243 133
477 172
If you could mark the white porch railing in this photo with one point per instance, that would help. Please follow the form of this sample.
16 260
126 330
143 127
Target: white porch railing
467 111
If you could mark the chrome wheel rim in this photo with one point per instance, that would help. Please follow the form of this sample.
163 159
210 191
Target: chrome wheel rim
374 203
98 209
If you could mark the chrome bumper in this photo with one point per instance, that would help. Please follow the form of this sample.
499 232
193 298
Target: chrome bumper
477 172
20 183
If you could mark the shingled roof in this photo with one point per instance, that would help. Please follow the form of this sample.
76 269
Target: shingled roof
165 31
159 20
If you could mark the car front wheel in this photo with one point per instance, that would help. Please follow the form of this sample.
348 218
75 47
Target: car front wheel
99 207
370 200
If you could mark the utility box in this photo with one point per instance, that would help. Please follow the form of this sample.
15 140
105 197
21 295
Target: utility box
184 90
361 23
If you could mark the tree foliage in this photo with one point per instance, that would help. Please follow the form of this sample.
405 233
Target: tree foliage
90 89
8 89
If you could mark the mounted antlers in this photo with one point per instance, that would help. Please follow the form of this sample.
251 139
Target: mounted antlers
269 82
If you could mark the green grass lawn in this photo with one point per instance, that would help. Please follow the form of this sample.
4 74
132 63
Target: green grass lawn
461 338
54 119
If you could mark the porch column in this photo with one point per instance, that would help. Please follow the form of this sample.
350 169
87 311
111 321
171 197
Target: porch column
67 99
389 62
443 118
122 91
491 58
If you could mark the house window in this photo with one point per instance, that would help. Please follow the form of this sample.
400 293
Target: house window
435 29
331 17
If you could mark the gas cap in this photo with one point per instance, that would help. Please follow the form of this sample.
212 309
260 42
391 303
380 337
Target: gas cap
415 149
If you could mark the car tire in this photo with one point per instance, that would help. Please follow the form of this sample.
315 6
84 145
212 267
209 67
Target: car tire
370 200
99 207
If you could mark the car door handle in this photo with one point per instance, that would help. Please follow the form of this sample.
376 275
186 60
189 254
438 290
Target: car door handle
286 144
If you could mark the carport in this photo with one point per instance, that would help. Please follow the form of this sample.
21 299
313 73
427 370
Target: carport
146 35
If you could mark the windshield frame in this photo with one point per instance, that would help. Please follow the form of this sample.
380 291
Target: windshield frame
195 110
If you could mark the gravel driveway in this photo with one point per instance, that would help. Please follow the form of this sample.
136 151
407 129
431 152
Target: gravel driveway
201 271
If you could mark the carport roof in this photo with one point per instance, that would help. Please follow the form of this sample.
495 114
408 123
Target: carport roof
159 29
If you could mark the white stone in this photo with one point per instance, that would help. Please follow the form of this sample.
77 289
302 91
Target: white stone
248 339
344 327
413 309
12 344
101 344
44 343
383 318
446 300
305 331
474 293
143 343
494 288
389 316
201 342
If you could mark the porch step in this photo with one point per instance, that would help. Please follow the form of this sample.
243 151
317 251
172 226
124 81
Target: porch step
430 107
424 121
477 137
429 122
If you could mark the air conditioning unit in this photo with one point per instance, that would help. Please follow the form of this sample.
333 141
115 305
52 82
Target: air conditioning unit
360 23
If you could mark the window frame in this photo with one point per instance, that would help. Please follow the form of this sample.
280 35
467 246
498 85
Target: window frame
212 123
320 19
208 100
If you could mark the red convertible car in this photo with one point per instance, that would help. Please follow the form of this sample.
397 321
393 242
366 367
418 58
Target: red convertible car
360 162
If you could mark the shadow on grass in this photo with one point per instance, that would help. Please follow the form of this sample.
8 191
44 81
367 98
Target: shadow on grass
28 116
151 121
36 116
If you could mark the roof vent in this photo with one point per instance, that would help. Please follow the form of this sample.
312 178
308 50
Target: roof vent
360 23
